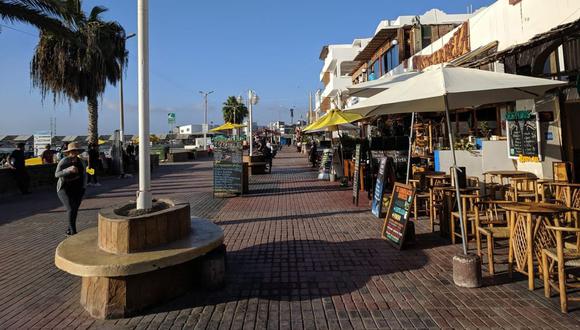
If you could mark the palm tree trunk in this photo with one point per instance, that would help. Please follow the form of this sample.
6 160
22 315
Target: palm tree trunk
93 107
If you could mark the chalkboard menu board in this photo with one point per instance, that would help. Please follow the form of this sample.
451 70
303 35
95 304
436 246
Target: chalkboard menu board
356 175
325 164
227 166
522 131
379 187
395 226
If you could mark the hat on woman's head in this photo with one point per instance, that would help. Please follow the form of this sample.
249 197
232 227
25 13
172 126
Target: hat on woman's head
73 146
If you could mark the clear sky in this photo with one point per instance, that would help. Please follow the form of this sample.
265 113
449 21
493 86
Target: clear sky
271 46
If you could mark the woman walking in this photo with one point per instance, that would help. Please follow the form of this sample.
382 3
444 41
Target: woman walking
71 184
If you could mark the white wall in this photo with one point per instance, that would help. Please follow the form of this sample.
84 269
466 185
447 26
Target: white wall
515 24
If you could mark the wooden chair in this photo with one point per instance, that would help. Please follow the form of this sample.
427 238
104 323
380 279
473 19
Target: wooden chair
468 202
560 258
421 200
523 189
491 221
436 198
473 181
563 171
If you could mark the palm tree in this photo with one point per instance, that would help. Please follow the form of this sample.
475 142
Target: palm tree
234 111
79 68
44 14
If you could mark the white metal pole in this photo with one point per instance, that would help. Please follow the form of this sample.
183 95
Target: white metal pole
410 149
205 123
456 170
144 200
250 127
121 124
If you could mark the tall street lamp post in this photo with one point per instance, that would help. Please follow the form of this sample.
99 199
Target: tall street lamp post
252 100
122 115
205 128
144 199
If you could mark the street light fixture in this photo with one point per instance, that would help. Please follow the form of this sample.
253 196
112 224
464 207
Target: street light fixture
122 115
253 99
205 128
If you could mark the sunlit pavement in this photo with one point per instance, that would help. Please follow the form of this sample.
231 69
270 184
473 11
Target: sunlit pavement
300 255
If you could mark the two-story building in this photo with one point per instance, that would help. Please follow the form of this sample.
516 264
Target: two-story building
396 40
335 74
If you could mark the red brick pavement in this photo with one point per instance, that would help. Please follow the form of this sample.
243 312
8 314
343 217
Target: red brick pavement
300 255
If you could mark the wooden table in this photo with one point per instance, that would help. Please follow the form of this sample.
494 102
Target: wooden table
528 234
449 201
501 175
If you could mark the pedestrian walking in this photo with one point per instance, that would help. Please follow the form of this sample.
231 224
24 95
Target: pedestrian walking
94 165
60 152
313 157
71 184
47 155
18 165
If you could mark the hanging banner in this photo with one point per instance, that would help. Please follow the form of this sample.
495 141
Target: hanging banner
395 226
227 166
523 138
379 188
356 176
325 164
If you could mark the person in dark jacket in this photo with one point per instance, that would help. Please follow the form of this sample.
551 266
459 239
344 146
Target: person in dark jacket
17 163
313 157
71 184
94 164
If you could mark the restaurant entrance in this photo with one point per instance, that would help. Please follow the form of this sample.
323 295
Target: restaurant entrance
571 134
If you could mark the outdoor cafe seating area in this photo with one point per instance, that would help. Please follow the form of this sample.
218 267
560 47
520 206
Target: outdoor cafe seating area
536 219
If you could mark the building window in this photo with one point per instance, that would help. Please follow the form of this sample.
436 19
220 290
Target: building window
391 59
375 70
425 35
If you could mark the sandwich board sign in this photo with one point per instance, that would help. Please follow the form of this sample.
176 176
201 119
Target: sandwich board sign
379 188
395 226
227 166
356 175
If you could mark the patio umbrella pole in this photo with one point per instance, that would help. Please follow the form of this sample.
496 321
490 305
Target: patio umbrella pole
457 195
410 144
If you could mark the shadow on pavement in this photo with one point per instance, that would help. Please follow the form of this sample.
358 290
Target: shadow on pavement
289 217
306 269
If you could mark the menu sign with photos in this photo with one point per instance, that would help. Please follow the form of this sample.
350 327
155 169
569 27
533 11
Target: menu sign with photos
522 132
398 212
356 175
227 166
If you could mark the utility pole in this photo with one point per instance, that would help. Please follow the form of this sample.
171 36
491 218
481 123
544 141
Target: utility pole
205 94
310 108
144 198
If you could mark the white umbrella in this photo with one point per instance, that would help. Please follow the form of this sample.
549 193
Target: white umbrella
445 87
373 87
459 87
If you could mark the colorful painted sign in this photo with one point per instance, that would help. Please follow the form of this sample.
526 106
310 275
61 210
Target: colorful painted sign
395 226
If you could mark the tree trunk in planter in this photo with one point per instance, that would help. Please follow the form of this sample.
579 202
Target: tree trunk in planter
93 108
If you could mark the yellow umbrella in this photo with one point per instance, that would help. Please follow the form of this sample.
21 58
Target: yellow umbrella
226 126
334 118
102 141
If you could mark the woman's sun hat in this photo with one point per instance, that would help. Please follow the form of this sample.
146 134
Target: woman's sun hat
73 146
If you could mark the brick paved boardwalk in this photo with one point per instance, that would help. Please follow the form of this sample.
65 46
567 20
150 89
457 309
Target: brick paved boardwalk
300 255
